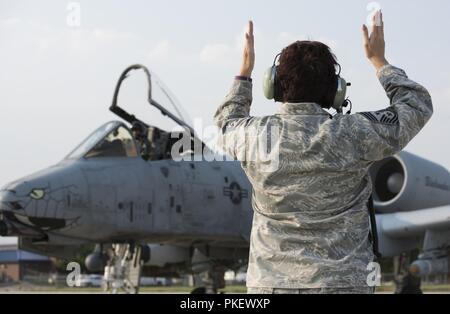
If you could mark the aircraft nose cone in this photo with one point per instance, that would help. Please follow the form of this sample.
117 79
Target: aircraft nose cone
9 200
5 198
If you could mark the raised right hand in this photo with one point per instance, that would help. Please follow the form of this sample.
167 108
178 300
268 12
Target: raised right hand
374 44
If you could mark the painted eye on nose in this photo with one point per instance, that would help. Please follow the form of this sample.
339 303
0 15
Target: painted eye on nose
37 194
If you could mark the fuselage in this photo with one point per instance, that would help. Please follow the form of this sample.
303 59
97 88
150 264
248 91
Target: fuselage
106 193
109 199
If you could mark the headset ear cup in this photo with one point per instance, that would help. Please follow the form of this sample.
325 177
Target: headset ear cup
276 86
341 92
269 83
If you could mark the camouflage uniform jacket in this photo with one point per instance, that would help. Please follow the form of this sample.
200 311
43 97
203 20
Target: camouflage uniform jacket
311 224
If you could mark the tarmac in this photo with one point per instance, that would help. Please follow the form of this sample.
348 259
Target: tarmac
34 289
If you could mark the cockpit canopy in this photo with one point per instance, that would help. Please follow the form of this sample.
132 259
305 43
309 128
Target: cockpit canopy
112 139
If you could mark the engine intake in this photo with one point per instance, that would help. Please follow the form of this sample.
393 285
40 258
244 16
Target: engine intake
407 182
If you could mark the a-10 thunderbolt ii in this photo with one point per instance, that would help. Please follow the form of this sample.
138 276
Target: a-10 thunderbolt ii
141 208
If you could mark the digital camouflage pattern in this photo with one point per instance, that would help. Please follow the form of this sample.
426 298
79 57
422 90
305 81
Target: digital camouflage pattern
311 223
350 290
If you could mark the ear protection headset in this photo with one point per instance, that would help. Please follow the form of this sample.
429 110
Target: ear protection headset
272 90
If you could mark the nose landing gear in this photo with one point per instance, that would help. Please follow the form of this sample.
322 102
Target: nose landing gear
123 270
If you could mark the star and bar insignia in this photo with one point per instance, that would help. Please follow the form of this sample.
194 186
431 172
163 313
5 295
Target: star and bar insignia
235 192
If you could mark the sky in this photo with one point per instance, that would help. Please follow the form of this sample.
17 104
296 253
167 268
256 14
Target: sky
60 60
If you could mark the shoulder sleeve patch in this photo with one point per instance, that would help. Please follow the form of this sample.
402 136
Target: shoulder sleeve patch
387 116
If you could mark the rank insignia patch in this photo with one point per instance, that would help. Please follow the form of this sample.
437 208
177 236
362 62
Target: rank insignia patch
386 116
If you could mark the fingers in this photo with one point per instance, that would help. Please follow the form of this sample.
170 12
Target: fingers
365 31
374 23
250 28
372 29
248 60
377 22
381 25
249 34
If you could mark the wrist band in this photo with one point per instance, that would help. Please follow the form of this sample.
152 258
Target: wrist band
243 78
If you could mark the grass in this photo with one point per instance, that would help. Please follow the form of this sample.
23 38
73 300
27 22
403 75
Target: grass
184 289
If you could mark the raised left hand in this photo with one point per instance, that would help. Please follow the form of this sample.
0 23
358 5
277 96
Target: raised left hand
248 58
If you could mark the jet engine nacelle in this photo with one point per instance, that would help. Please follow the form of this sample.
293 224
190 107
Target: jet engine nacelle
407 182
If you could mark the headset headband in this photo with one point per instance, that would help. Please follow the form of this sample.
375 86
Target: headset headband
270 86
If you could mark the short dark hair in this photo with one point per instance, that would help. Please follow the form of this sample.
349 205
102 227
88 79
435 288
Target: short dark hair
307 73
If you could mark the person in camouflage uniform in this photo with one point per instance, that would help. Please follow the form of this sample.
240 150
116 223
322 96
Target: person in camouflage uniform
311 225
